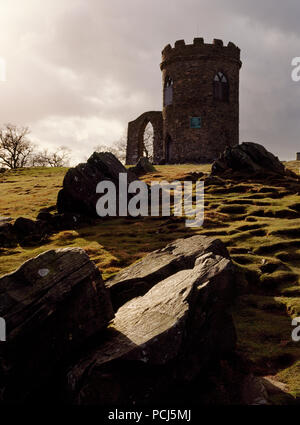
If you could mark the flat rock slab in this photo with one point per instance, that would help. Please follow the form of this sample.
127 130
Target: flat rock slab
161 340
52 304
181 254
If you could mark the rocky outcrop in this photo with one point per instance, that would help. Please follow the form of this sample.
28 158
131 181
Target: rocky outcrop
254 392
181 254
7 235
5 219
250 159
52 305
64 343
163 340
29 231
142 167
193 176
64 221
78 194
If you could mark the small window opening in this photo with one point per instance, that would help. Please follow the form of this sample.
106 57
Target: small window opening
221 87
168 91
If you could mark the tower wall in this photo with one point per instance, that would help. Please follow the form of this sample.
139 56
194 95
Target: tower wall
192 69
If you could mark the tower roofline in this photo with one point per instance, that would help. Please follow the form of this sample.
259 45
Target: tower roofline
198 49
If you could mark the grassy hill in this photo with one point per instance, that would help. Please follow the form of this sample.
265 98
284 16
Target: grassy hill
259 223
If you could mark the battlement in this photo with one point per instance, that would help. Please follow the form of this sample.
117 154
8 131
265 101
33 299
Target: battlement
199 49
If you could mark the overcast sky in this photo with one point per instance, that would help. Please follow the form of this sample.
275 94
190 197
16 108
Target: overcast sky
79 70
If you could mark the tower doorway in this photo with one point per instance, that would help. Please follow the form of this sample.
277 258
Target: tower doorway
168 148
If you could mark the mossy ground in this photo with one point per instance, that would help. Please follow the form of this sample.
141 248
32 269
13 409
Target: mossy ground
259 221
23 192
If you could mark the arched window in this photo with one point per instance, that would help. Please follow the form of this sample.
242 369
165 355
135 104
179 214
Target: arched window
148 138
221 87
168 91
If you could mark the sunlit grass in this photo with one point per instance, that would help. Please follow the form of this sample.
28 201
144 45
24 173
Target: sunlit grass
259 223
23 192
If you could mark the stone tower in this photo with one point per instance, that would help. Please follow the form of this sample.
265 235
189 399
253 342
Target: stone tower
200 114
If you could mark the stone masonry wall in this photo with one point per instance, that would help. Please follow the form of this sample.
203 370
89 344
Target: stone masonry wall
192 69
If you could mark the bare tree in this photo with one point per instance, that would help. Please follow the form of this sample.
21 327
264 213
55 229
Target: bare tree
121 146
39 159
58 158
15 148
119 150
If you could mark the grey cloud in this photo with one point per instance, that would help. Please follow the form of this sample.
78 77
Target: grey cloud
80 61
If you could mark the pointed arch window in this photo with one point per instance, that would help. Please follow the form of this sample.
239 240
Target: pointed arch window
221 87
168 91
148 139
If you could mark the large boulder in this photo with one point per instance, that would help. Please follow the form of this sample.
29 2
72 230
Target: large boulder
7 235
143 166
181 254
64 221
248 158
29 232
79 186
159 343
52 305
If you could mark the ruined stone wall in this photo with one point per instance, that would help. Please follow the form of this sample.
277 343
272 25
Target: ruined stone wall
192 69
135 137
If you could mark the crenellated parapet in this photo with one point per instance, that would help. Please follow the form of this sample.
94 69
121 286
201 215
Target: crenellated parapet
199 50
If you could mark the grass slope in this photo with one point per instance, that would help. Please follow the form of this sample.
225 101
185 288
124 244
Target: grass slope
258 221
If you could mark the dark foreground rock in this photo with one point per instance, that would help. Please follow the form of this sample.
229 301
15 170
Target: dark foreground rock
142 167
251 159
64 221
181 254
52 304
78 194
5 219
159 343
172 330
29 232
7 235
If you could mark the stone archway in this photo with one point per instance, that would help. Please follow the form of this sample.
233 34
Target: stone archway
135 137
